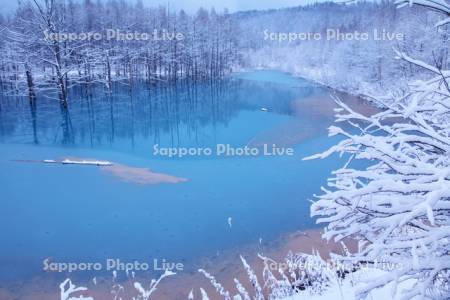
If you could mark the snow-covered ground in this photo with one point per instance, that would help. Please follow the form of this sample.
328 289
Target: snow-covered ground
346 289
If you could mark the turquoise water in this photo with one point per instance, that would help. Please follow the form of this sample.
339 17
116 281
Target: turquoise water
82 213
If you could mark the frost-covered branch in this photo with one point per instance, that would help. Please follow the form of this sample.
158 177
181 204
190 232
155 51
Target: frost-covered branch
67 288
400 203
144 294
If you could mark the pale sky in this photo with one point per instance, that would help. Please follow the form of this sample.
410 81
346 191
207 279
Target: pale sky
192 5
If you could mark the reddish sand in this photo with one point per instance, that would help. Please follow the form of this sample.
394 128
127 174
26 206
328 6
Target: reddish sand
225 267
309 111
134 174
140 175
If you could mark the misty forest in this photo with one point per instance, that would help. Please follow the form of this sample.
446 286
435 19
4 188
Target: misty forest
288 153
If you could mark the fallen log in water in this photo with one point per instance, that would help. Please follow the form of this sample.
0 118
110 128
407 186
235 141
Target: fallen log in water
69 162
123 172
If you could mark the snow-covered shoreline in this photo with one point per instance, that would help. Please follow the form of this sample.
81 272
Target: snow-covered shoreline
360 93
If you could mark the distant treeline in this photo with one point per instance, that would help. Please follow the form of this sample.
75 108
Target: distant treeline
49 46
362 61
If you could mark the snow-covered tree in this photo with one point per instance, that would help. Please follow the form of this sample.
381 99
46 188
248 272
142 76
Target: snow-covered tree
399 205
355 66
50 46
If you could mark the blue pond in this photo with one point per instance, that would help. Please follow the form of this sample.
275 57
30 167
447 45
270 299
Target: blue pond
85 213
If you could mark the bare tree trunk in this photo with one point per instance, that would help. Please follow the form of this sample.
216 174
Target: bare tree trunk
30 84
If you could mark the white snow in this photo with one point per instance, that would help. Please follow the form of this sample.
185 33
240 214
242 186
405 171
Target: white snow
87 162
346 289
79 162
